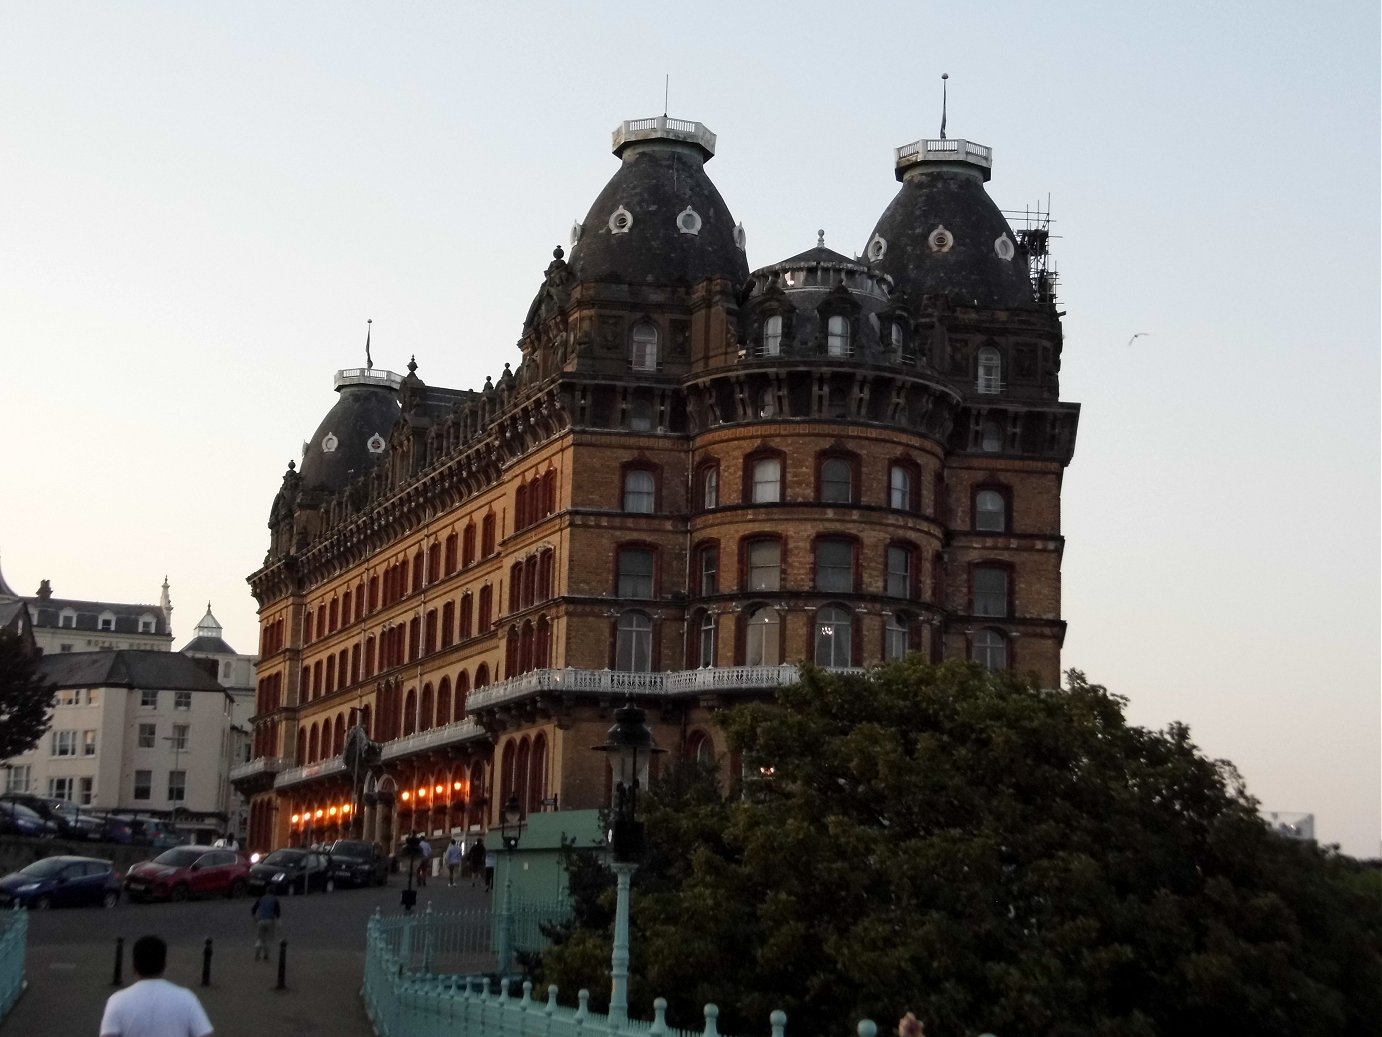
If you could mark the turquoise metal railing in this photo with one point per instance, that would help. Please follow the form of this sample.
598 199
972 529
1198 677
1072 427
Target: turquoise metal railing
14 944
431 975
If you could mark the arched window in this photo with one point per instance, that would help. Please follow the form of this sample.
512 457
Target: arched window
837 336
487 535
902 487
834 637
709 482
444 702
448 624
834 565
763 644
991 591
312 746
537 774
765 480
837 480
462 693
990 649
772 335
511 664
708 569
643 352
410 712
897 635
635 575
705 641
640 491
426 712
542 644
338 736
990 376
634 643
466 628
763 561
468 544
699 748
900 579
990 511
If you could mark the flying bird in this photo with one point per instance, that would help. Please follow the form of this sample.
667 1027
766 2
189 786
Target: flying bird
1136 337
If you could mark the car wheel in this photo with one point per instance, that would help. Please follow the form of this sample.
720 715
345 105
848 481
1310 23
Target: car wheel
110 899
181 892
42 903
237 889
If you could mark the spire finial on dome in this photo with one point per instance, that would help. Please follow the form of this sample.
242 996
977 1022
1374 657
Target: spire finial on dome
412 363
820 238
944 77
369 363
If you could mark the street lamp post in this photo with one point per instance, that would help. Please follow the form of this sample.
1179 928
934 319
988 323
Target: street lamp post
630 747
509 830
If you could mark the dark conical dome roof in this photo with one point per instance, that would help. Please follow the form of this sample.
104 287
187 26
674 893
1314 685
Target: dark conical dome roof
354 435
659 220
943 235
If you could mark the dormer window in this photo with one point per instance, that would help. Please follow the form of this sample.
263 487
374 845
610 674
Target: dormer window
643 354
146 624
990 379
837 336
67 618
106 621
772 335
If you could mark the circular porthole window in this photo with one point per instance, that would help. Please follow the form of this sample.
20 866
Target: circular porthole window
689 221
330 443
877 248
620 221
376 444
1003 248
940 240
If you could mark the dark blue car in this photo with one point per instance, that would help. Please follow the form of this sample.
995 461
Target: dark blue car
62 882
17 819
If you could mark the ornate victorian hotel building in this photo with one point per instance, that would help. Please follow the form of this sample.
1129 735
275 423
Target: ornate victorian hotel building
694 478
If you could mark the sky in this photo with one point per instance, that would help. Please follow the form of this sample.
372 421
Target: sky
202 204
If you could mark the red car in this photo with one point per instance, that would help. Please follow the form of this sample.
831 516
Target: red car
189 871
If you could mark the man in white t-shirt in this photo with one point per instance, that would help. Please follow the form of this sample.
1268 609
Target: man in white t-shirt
153 1007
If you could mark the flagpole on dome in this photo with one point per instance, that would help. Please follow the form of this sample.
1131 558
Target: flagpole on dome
369 364
944 77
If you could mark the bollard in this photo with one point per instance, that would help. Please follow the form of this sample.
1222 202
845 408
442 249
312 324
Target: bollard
119 979
282 964
206 963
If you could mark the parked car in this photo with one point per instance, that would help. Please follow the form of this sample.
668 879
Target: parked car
62 882
189 871
292 871
17 819
354 862
117 830
70 820
150 831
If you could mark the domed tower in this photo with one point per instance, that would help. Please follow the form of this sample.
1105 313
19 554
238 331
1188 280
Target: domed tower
977 300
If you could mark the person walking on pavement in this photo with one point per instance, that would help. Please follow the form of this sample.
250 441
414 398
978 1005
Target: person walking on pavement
266 913
153 1007
453 861
475 858
424 864
491 860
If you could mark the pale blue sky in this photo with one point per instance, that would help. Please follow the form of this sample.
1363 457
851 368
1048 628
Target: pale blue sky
201 203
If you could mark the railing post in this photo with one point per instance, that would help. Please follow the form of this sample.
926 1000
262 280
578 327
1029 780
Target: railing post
712 1013
778 1021
619 960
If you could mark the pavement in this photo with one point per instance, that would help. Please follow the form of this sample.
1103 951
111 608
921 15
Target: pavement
70 962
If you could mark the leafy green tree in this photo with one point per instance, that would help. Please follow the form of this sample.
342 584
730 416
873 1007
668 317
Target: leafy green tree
25 696
992 856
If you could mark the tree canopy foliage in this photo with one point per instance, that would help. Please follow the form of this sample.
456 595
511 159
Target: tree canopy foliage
990 855
25 696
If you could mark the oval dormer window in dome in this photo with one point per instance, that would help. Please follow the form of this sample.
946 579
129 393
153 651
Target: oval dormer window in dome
877 249
1003 248
741 239
940 240
689 221
376 444
620 220
575 233
330 443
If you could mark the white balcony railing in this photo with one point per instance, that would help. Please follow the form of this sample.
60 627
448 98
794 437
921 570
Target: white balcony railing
451 734
294 775
263 765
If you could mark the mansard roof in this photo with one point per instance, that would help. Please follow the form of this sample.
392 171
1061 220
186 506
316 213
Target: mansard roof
128 668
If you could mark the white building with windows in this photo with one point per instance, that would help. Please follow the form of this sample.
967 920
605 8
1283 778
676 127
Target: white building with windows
134 730
63 625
